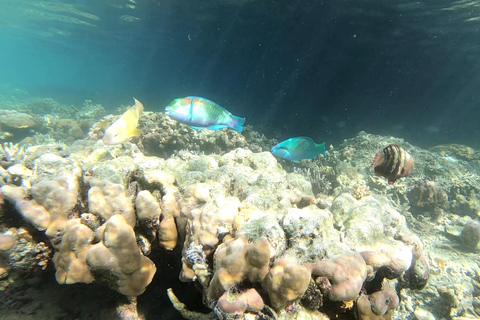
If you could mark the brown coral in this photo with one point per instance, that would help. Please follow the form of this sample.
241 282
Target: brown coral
395 258
58 197
71 258
237 260
207 221
105 199
167 229
377 306
286 281
67 129
470 236
13 120
120 259
359 191
346 275
235 302
417 276
426 197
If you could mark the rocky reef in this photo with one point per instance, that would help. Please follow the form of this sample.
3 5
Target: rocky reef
256 237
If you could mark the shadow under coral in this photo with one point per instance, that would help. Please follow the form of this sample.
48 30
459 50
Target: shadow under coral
39 296
154 303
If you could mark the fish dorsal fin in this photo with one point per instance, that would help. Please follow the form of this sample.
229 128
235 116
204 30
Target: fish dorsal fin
191 110
138 106
102 125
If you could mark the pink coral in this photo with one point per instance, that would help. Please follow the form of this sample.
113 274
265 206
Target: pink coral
346 275
236 302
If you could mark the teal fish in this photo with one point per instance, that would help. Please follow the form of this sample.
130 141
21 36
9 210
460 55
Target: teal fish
202 113
298 148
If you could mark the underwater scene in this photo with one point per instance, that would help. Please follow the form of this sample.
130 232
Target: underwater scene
239 159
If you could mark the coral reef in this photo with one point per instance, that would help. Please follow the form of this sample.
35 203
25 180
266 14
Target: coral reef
457 151
258 238
67 130
88 245
319 181
164 136
15 125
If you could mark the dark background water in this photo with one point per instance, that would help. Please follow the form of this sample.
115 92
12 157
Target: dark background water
326 69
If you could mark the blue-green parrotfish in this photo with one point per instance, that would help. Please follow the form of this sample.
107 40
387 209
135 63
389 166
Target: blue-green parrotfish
298 148
202 113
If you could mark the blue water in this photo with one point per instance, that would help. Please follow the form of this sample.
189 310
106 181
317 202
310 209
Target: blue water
325 69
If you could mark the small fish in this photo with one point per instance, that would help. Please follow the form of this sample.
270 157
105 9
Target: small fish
393 163
296 149
128 18
202 113
125 127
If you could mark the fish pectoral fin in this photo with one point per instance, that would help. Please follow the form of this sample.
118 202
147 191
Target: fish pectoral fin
217 127
136 133
102 125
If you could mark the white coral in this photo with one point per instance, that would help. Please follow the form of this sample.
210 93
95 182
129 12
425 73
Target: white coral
12 152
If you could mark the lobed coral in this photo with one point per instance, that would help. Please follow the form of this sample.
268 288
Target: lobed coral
378 305
427 198
237 260
118 258
345 274
394 259
83 241
470 235
71 257
286 282
256 241
238 302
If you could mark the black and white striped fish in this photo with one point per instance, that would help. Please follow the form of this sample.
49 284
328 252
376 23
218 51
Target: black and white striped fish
393 163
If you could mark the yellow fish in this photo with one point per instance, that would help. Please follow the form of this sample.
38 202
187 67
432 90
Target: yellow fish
125 127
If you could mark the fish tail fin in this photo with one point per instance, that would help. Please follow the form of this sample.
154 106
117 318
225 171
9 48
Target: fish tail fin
321 149
237 123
